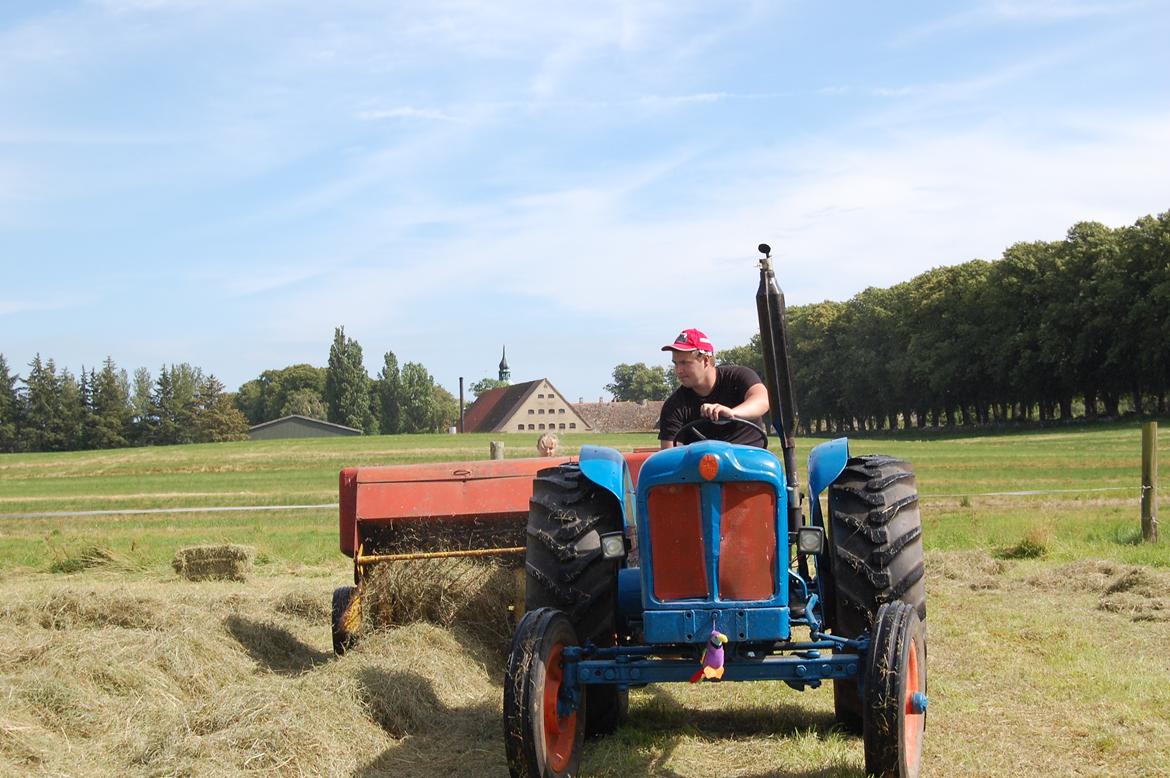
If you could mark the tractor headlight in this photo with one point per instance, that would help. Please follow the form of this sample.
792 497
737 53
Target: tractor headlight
613 545
810 540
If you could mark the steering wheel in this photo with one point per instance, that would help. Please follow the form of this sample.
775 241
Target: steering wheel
692 426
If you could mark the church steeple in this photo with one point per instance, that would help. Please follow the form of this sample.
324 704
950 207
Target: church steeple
505 373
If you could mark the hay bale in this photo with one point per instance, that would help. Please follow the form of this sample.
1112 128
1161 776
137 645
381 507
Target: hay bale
214 563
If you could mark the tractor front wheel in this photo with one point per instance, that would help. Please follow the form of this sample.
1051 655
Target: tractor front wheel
895 693
543 730
566 570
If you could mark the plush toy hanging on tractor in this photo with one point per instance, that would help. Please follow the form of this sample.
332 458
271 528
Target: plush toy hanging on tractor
698 564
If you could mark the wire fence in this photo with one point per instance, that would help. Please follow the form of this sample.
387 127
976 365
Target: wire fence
333 506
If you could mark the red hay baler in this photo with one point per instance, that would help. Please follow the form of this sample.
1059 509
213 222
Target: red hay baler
442 510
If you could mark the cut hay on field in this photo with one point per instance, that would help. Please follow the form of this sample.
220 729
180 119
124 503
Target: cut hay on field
214 563
86 558
215 680
474 596
978 569
1141 593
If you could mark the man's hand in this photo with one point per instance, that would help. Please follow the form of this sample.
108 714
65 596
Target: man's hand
715 411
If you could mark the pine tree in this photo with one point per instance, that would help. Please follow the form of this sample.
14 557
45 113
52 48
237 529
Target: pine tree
9 409
71 417
215 416
172 407
110 425
40 406
141 422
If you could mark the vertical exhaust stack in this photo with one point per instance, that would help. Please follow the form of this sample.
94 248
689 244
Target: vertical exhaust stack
778 375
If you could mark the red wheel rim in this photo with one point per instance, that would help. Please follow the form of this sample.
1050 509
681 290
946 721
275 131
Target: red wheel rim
912 723
559 733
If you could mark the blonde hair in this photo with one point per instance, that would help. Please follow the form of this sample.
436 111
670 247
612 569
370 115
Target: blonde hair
547 444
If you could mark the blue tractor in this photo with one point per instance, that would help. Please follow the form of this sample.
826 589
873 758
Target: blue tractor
709 570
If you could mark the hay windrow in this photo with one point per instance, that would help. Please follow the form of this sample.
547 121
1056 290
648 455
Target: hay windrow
86 558
92 608
1140 593
311 607
212 679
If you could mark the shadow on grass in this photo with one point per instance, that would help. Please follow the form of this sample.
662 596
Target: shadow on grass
275 648
655 728
664 713
434 738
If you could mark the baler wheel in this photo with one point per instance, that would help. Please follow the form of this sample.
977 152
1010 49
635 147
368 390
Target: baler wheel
565 570
895 693
343 637
875 532
540 740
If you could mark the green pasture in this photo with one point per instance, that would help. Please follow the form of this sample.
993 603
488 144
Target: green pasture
1089 506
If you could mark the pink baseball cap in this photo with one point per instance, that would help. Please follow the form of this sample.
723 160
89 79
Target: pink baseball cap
691 340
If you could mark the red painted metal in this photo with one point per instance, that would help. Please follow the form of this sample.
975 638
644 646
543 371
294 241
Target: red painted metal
676 536
747 542
347 509
492 491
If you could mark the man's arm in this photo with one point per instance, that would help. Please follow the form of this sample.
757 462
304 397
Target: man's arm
754 405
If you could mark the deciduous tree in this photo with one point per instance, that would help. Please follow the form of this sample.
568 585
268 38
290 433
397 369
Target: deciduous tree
417 402
640 382
347 385
389 390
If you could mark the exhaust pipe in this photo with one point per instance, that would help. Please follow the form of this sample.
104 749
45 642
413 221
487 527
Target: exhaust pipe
778 376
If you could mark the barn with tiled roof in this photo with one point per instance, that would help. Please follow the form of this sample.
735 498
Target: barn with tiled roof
533 406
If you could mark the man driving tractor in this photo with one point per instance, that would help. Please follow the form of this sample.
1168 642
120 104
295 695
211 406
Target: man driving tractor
712 392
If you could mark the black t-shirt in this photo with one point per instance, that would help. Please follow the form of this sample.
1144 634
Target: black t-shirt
731 385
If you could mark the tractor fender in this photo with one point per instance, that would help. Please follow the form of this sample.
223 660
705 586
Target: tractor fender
825 463
607 468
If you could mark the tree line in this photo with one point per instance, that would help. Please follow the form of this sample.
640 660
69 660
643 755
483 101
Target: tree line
57 411
1052 330
405 400
50 409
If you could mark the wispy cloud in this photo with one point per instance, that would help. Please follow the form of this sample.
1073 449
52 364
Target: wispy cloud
407 112
63 303
1001 12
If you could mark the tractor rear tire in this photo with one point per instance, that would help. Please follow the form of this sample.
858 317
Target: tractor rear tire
564 569
895 693
608 708
875 532
538 741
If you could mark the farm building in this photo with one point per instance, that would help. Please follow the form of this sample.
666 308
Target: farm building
532 406
299 427
621 416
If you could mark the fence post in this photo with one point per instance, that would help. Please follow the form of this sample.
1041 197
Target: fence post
1150 482
497 449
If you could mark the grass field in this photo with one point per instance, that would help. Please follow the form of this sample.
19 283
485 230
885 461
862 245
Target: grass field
1048 625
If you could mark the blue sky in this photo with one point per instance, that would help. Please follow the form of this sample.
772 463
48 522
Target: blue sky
222 182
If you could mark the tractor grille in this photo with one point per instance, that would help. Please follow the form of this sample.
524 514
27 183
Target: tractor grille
676 539
747 542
